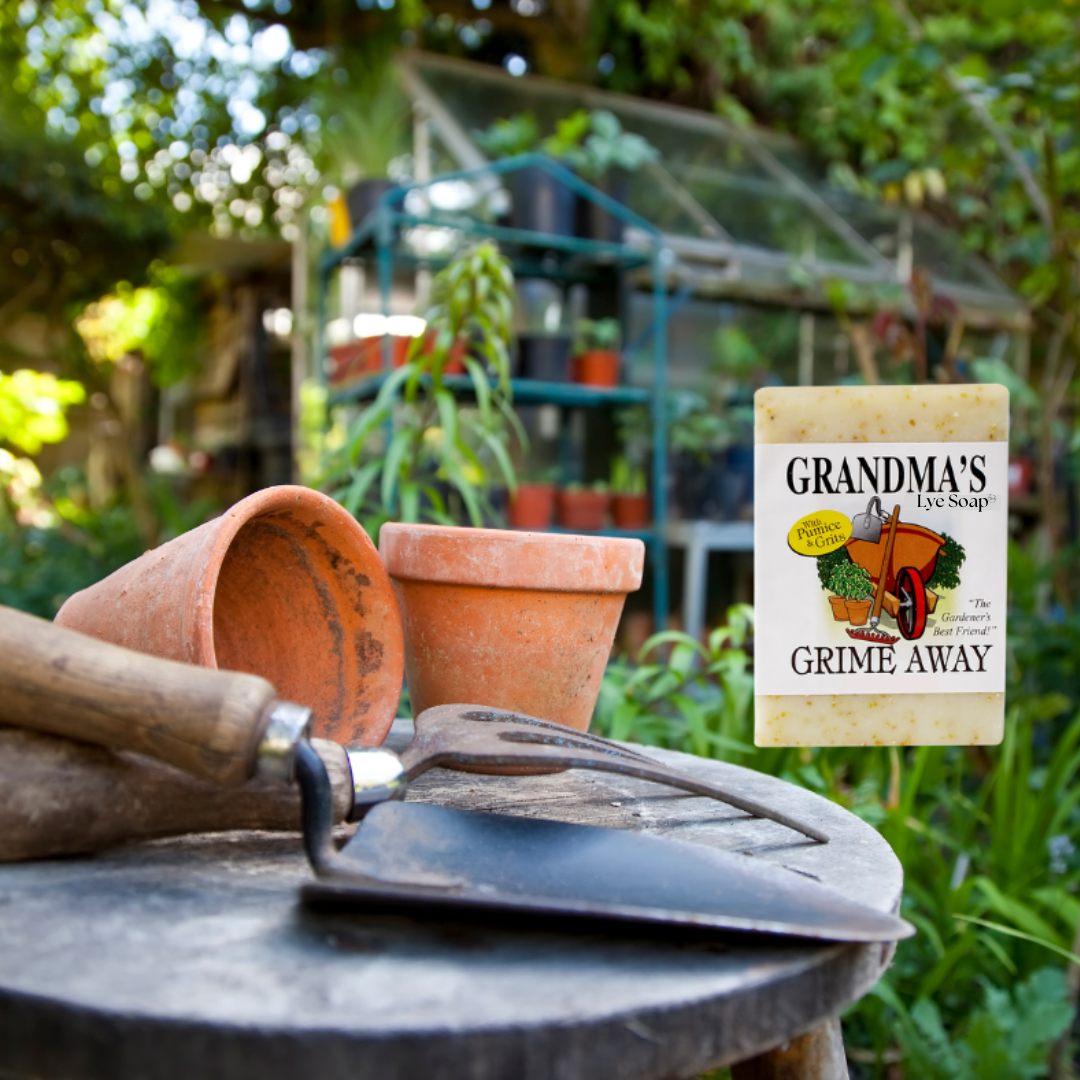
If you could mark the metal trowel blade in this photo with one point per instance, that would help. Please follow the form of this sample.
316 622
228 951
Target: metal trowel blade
441 861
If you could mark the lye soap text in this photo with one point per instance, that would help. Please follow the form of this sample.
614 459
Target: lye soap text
880 539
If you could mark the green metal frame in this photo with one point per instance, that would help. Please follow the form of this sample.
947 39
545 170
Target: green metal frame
576 257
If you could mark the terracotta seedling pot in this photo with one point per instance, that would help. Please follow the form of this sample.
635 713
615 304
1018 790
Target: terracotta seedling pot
533 507
858 611
597 367
839 608
285 584
630 511
516 620
584 510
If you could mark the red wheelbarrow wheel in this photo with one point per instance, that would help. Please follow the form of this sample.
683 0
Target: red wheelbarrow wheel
911 592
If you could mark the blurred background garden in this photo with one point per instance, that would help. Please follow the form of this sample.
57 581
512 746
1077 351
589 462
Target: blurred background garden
523 263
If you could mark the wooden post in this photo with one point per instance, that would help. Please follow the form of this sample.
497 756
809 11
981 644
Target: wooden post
817 1055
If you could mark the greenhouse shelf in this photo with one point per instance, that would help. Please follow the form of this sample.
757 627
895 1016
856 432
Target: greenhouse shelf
383 236
525 391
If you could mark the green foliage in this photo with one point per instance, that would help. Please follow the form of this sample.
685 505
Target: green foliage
989 839
737 356
698 699
827 563
53 542
199 113
591 143
1009 1038
509 137
627 479
373 129
950 558
695 427
32 408
413 445
851 581
596 334
161 320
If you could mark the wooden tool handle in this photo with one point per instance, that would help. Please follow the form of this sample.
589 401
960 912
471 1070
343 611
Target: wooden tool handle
59 797
879 594
203 721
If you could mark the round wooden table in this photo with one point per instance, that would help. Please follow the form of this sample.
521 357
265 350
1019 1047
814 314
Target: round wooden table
192 958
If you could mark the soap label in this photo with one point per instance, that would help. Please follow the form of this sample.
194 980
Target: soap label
880 568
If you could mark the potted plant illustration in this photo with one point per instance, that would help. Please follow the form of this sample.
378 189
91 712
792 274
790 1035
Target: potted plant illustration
584 507
629 494
854 584
596 349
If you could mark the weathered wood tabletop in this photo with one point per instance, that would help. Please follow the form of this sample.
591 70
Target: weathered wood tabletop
193 958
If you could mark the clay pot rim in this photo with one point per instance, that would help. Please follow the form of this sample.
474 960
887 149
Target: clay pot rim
512 558
202 587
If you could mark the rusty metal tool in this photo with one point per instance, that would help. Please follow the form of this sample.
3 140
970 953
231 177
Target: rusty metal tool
227 727
475 737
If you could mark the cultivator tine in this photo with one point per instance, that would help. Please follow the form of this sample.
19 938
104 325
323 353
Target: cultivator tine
471 737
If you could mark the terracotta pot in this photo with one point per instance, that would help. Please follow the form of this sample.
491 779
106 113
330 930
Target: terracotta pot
597 367
839 608
630 511
512 620
285 584
858 611
533 507
585 510
363 356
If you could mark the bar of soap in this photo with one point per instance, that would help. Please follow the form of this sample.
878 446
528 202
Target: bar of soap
931 671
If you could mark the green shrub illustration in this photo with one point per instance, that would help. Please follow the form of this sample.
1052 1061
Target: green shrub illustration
851 581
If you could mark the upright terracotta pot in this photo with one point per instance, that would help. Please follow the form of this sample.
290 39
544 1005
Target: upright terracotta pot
514 620
285 584
532 507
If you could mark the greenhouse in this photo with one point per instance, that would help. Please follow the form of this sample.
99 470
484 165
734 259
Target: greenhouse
737 265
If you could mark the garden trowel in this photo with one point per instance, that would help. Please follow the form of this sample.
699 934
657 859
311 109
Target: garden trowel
228 727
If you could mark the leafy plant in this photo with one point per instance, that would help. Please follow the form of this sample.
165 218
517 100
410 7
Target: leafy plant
373 132
608 147
828 562
736 354
851 581
627 479
950 558
592 143
684 695
160 320
413 446
32 406
596 334
1009 1038
695 428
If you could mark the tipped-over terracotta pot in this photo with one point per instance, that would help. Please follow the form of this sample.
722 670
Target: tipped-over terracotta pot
516 620
285 584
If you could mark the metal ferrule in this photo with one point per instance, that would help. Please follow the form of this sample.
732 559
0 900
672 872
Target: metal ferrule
377 776
289 725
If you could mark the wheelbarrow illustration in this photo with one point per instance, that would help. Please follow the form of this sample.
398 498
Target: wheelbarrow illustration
900 559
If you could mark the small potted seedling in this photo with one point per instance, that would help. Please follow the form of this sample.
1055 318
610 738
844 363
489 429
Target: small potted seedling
856 587
532 506
584 507
596 352
629 495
